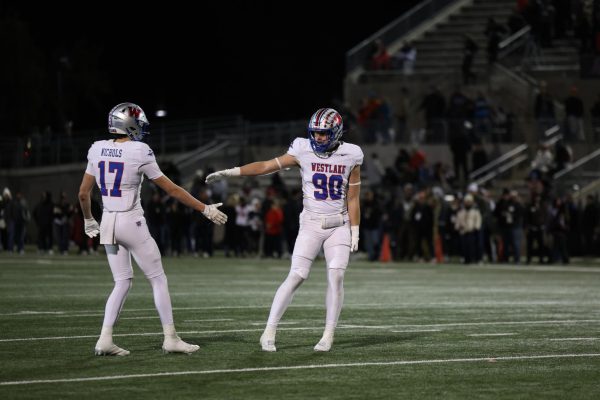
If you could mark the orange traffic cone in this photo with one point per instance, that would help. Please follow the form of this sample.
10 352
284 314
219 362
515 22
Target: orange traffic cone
386 252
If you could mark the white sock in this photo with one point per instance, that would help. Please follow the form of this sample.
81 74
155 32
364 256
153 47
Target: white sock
270 331
334 298
106 334
162 299
283 298
169 331
115 302
328 333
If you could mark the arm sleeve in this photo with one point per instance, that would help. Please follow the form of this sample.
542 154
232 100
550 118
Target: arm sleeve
294 149
90 170
359 156
148 163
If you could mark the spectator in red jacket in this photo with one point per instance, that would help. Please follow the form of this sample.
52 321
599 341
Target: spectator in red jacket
273 230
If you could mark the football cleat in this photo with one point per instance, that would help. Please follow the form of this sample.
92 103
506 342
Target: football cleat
110 350
323 345
267 343
176 345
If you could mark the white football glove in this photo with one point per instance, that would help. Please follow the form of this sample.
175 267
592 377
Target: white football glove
92 229
354 240
212 213
215 176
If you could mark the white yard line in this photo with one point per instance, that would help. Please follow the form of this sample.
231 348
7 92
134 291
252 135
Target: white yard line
154 334
547 322
94 313
540 268
418 330
343 326
209 320
575 338
299 367
491 334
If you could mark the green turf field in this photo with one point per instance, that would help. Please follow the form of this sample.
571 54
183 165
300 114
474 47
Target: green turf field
406 331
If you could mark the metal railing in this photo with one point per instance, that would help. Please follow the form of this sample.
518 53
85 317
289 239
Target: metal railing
167 137
580 177
357 55
577 164
513 42
502 169
499 163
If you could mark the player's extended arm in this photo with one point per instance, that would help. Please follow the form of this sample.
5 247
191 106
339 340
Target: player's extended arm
210 211
354 206
91 227
255 168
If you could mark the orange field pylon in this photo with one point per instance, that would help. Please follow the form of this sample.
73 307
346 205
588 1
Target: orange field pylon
386 251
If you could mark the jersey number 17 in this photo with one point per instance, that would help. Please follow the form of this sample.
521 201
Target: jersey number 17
117 169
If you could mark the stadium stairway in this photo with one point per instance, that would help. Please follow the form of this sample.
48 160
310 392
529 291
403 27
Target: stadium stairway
440 49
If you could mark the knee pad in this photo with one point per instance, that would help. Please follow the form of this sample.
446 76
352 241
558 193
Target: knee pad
124 284
160 279
301 266
335 276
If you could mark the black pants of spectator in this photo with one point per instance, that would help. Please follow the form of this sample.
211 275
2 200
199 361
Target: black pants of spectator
176 247
489 245
536 236
406 241
83 245
241 240
62 237
45 237
16 236
561 250
425 248
469 246
511 239
290 238
451 243
273 245
204 238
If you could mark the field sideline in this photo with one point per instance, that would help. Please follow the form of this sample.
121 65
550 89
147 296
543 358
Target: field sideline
406 331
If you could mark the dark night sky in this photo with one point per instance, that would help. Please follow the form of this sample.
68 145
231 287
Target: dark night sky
264 60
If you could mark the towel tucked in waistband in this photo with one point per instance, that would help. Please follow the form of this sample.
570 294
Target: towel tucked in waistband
107 228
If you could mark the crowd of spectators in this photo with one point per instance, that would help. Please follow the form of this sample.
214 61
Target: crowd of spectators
411 203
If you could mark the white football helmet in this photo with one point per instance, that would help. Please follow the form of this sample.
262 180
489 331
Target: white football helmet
128 119
329 121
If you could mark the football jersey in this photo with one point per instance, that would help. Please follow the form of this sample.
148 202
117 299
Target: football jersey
325 180
119 169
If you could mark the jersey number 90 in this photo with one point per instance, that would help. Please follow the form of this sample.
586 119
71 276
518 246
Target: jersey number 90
332 187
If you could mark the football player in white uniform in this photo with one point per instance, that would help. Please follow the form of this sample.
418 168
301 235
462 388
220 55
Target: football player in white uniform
330 171
117 167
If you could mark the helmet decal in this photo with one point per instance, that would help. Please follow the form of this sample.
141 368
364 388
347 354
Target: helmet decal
128 119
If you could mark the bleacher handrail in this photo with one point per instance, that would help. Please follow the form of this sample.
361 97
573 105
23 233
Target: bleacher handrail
583 160
492 164
502 169
506 46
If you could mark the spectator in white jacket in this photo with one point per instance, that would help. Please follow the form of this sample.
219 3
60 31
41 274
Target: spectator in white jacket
468 224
